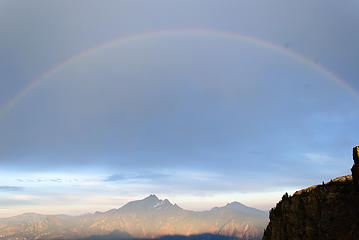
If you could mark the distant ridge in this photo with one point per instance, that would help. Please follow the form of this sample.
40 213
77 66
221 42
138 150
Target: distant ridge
242 208
148 218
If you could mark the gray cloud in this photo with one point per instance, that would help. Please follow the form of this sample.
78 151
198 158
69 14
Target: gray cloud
11 188
136 176
15 202
128 106
39 180
56 180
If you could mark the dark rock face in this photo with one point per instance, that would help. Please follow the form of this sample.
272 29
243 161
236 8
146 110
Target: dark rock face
321 212
356 154
355 168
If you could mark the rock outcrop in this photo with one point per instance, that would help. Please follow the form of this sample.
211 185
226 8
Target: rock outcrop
321 212
355 168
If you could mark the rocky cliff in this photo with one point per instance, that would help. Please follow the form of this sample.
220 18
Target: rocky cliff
321 212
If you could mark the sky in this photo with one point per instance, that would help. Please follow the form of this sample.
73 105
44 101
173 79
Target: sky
200 102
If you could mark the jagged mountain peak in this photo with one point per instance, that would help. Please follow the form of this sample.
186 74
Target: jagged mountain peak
148 203
152 197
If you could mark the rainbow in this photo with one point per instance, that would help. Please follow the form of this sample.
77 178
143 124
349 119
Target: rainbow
121 40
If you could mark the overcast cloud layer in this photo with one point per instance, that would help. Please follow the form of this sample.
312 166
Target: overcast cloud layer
189 116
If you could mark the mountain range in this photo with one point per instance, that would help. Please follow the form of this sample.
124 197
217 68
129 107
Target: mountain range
148 218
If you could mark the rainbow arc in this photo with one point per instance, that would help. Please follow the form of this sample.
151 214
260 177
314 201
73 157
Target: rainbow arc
121 40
